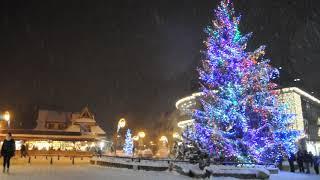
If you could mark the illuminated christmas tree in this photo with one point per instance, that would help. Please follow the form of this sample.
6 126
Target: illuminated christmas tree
240 117
128 144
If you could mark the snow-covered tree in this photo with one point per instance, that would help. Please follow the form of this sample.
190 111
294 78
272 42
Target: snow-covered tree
240 117
128 144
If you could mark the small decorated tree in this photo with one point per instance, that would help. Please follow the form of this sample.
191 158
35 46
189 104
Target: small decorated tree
128 144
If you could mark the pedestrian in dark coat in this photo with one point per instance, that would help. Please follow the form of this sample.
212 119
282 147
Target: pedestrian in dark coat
23 151
8 151
310 158
300 161
291 160
316 163
306 161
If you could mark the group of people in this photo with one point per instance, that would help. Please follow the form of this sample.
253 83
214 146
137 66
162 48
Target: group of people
305 160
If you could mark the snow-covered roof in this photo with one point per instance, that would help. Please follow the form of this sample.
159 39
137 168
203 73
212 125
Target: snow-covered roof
73 128
53 116
301 93
97 130
84 120
85 113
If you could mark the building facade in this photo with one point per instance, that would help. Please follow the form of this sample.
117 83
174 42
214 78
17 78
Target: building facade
61 131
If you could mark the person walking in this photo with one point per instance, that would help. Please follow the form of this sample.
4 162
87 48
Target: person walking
310 158
8 151
23 151
300 161
316 163
291 160
306 161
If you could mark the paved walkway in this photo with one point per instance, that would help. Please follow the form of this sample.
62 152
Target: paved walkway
40 169
83 172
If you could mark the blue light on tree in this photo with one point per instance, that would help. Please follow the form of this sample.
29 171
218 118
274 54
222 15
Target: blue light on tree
128 144
240 117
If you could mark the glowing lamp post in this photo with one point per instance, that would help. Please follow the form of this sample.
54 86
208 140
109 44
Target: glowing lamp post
141 135
176 135
135 138
6 117
101 144
163 139
121 124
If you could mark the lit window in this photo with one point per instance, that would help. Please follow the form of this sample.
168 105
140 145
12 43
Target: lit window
319 132
318 120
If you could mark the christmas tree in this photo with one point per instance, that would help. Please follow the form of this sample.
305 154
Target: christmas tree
240 117
128 144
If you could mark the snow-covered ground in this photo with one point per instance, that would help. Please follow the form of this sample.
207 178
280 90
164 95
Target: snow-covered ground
128 161
41 169
283 175
83 172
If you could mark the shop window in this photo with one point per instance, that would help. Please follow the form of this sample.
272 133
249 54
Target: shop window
61 126
50 126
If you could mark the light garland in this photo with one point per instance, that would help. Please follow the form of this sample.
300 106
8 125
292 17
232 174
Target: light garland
241 118
128 144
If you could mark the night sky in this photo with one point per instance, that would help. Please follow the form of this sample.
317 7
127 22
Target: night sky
135 58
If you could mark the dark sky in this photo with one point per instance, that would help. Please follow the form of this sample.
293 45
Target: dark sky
135 58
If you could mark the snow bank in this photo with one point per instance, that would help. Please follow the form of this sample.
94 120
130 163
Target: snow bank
238 172
185 168
193 170
131 163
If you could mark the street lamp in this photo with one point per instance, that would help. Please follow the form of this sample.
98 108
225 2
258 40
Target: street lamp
135 138
176 135
121 124
141 135
163 139
6 117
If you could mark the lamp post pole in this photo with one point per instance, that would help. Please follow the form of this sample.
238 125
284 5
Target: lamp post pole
135 141
6 117
121 124
141 135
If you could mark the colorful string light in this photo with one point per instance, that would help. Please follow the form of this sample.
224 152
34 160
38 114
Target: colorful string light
241 118
128 144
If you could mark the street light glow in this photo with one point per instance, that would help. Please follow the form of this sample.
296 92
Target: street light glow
6 116
121 124
135 138
176 135
141 134
101 145
164 139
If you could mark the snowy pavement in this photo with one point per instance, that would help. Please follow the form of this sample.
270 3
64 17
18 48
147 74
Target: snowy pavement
83 172
294 176
40 169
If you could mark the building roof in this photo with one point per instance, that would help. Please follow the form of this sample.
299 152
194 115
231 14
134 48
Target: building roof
53 116
84 120
73 128
97 130
301 93
85 113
